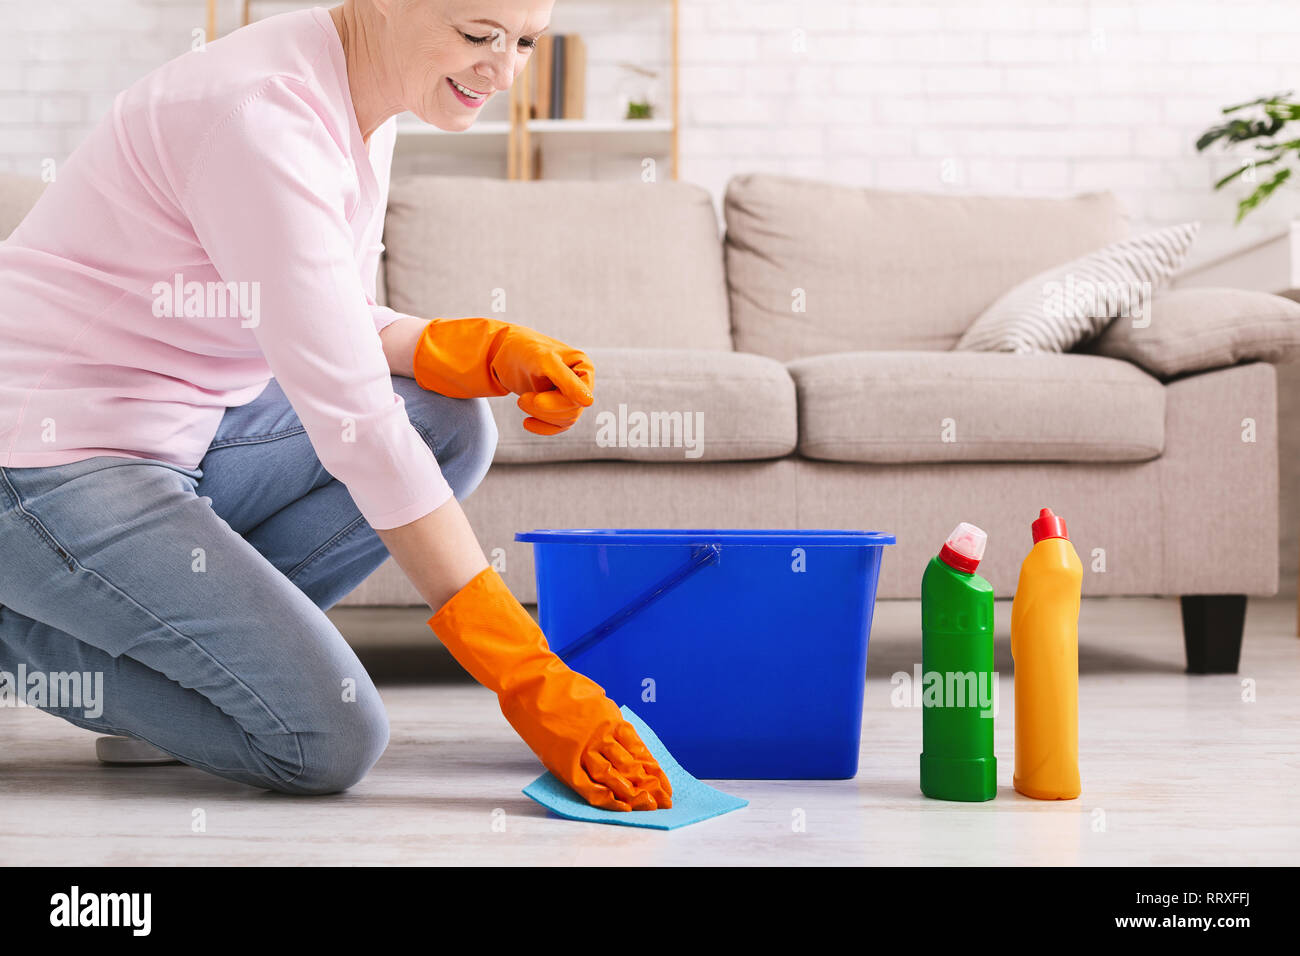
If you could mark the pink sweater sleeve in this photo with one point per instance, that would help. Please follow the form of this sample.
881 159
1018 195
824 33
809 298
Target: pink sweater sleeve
267 199
383 316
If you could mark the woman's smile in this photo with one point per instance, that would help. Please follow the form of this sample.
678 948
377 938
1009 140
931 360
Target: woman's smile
466 95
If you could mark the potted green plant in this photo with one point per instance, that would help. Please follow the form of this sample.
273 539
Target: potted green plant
1262 121
637 92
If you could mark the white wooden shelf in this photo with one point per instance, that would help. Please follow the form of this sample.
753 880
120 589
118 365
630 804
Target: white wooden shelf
615 137
409 125
625 127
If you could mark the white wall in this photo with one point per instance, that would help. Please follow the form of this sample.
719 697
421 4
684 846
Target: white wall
1032 97
61 64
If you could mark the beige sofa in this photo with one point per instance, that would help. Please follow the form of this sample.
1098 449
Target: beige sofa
799 372
814 341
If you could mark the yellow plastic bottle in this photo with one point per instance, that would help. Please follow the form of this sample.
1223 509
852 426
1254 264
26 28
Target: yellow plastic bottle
1045 648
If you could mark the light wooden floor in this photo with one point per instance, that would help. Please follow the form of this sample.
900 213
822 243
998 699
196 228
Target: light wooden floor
1176 770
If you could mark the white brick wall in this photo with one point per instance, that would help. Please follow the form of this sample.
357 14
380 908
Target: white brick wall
1037 96
62 63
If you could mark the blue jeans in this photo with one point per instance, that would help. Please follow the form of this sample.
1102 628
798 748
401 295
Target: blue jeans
200 595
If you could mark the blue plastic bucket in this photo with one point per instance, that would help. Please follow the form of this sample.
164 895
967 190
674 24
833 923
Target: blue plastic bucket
746 651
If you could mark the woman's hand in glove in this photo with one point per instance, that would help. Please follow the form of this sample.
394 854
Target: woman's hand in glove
480 357
565 718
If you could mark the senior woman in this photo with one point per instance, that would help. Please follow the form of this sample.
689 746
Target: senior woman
210 432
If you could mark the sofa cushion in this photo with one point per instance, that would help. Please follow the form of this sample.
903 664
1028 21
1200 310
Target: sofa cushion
696 405
615 264
1194 329
1057 309
909 406
816 267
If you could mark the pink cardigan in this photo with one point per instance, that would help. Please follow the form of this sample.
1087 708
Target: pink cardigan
238 176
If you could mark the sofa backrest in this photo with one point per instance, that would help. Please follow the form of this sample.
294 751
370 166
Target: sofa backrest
595 264
873 269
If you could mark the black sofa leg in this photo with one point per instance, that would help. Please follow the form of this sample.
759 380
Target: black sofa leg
1212 628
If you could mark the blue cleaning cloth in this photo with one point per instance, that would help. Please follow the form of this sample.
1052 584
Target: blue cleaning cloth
693 801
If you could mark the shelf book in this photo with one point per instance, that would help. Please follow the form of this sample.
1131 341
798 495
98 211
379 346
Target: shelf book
558 77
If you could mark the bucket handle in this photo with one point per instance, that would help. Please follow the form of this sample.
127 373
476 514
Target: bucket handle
701 556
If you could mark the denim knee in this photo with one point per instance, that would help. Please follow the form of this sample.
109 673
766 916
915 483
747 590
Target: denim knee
479 430
341 755
461 433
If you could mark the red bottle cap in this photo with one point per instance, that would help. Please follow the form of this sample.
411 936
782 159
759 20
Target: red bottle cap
955 559
964 548
1048 525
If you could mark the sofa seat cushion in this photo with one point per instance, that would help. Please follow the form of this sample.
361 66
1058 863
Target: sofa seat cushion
666 405
908 406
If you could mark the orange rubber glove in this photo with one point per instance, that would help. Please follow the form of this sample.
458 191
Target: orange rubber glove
564 717
478 357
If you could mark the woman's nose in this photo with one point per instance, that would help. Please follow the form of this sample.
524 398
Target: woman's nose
498 78
501 69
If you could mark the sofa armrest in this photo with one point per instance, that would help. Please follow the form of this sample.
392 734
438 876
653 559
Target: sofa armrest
1193 330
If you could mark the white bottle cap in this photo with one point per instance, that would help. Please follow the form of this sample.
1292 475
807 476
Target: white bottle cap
968 541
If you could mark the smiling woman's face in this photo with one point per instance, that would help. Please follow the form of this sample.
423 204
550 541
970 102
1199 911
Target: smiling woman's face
482 45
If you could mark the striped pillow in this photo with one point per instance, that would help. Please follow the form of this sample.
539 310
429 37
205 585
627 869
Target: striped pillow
1058 309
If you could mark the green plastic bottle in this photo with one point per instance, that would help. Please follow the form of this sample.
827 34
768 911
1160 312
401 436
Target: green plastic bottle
958 692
